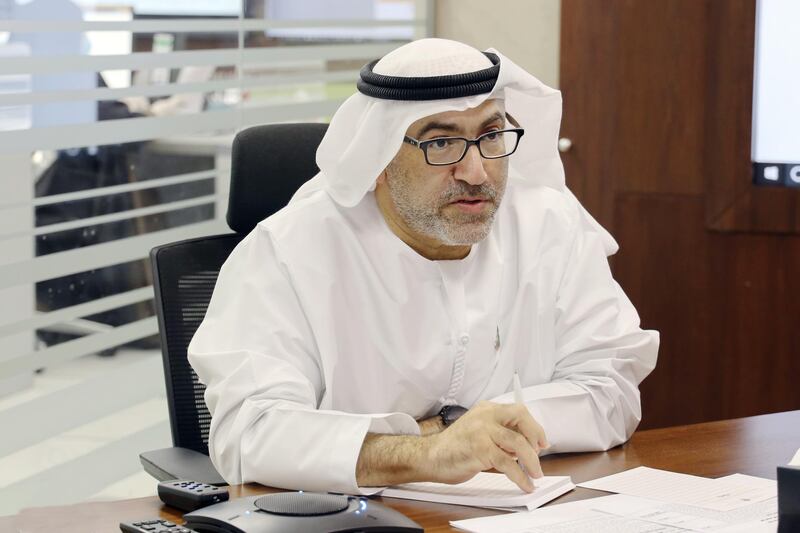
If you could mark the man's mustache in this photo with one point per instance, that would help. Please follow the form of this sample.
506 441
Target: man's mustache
460 190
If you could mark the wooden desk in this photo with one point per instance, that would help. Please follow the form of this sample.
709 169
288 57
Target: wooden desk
754 445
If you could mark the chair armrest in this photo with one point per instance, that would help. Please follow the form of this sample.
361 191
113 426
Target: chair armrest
180 463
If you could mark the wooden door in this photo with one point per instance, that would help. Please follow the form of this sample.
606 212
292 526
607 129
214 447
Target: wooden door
657 102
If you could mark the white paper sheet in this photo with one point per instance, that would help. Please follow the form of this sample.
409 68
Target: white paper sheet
485 490
573 517
723 494
795 460
759 516
628 514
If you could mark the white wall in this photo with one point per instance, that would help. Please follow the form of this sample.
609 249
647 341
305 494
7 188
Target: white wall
526 31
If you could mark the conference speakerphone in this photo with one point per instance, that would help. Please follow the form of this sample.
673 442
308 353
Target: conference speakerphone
299 512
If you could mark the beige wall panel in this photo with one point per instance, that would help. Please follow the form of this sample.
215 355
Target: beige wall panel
527 31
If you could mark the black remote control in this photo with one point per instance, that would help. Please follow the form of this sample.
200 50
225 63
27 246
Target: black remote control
190 495
153 526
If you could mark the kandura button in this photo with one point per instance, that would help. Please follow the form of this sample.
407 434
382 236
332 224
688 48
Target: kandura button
464 339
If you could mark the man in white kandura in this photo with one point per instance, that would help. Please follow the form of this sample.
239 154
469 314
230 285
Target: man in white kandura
436 254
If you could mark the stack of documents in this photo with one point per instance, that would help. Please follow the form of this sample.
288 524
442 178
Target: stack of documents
485 490
651 501
722 494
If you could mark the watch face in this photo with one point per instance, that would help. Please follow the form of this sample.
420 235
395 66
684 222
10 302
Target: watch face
451 413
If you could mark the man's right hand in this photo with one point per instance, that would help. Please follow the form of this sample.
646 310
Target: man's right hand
490 435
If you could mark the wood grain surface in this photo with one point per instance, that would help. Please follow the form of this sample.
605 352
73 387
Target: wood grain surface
755 446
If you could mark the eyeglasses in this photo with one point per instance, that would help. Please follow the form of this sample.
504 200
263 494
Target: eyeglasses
450 150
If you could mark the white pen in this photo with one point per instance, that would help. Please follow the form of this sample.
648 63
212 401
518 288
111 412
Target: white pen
518 399
517 390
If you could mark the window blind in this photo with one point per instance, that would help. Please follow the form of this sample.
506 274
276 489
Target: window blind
116 123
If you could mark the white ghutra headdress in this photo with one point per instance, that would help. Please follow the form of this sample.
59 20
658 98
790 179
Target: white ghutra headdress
426 77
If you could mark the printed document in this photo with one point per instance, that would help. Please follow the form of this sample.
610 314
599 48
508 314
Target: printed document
628 514
722 494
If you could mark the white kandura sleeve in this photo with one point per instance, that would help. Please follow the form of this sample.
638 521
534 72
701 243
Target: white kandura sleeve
256 354
592 402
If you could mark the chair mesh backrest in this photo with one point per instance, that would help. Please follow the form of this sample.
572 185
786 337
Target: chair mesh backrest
184 277
269 163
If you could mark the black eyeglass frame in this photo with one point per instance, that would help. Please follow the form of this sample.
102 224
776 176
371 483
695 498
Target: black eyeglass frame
423 145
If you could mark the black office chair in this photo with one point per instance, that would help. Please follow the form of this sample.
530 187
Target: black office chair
269 163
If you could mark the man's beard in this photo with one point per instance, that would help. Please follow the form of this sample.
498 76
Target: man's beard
429 218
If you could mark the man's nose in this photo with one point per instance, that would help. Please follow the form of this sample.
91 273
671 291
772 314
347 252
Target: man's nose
470 169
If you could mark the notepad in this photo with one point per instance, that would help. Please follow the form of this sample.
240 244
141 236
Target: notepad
485 490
